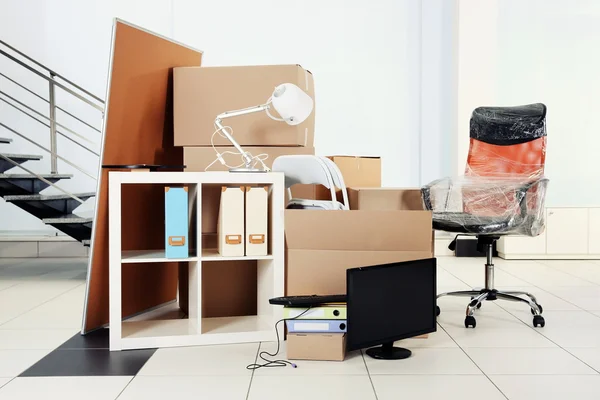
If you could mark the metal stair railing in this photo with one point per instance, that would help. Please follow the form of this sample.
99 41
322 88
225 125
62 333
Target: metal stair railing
55 82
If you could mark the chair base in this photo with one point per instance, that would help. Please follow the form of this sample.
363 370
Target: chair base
489 293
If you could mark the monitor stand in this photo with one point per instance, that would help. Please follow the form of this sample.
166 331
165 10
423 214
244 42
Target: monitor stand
387 351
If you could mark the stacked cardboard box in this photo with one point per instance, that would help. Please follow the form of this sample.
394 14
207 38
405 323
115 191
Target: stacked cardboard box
199 95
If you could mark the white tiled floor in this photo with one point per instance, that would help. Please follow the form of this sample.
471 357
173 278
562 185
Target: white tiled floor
503 358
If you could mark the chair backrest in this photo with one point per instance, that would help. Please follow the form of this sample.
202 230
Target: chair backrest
304 169
508 142
338 180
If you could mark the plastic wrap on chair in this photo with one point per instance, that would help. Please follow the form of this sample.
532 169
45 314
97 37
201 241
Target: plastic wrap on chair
487 206
504 188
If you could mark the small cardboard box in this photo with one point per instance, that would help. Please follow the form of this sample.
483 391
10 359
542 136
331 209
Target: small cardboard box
202 93
316 346
357 171
384 199
321 245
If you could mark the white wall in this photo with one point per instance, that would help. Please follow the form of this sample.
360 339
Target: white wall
516 52
373 96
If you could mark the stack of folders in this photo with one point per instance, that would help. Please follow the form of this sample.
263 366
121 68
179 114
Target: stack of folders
328 318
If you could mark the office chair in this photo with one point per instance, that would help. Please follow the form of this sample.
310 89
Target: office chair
502 192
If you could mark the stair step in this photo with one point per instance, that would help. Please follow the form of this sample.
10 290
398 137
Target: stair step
18 158
48 206
17 184
5 140
76 226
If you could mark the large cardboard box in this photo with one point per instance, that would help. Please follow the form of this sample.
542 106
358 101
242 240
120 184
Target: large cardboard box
358 171
202 93
321 245
197 159
384 199
316 346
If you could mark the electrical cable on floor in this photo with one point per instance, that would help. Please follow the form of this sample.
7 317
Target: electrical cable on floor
275 363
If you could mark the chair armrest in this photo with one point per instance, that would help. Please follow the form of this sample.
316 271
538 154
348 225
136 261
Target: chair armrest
426 191
521 193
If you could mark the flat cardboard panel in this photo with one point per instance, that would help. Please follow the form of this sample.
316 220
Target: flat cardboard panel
316 346
324 271
358 230
357 172
137 130
384 199
203 93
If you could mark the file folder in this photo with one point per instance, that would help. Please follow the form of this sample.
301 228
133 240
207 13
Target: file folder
230 227
256 220
176 222
316 326
324 312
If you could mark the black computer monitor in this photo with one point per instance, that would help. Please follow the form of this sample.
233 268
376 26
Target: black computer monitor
390 302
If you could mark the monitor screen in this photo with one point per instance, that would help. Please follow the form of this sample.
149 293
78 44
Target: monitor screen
390 302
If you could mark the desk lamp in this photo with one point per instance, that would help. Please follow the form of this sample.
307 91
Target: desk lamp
292 104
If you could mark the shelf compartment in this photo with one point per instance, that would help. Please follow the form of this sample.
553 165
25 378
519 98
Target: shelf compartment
151 256
243 324
213 255
158 328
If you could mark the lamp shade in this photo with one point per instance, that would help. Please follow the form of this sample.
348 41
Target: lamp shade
292 103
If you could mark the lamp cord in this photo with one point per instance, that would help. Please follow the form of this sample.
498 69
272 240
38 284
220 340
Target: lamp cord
275 363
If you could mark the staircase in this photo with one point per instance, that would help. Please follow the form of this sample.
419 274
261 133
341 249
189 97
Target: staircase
41 194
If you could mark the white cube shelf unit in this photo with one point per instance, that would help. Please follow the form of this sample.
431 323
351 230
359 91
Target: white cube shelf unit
139 332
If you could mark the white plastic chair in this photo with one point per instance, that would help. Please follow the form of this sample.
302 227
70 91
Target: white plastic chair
338 180
308 170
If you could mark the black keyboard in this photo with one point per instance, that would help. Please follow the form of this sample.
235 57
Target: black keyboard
307 301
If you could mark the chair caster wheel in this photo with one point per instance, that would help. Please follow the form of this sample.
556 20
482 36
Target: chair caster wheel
541 309
437 311
538 320
470 322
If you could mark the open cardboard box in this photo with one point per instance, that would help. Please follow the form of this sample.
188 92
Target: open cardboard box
322 245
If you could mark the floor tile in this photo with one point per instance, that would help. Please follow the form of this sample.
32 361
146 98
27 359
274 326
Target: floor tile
542 276
203 360
436 339
425 361
586 297
572 337
447 387
352 365
33 339
589 356
97 339
548 300
514 361
61 312
485 317
291 387
187 388
4 381
13 362
90 363
563 319
548 387
498 337
65 388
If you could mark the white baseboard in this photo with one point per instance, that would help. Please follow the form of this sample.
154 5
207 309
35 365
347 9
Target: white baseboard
32 246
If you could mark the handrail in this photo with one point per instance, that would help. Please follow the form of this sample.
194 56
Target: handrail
50 79
51 71
43 116
41 178
49 151
43 99
48 126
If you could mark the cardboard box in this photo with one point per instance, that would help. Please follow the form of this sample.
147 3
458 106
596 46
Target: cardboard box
321 245
202 93
316 346
357 171
198 158
384 199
